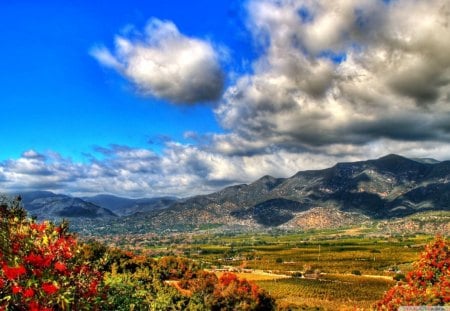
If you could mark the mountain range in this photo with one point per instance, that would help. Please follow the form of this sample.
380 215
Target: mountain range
389 187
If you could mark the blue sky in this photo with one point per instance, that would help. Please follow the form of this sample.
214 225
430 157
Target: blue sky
148 98
56 95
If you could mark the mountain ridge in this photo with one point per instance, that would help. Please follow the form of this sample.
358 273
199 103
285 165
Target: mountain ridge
378 189
48 205
388 187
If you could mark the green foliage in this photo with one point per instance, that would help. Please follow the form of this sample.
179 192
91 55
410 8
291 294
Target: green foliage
173 283
399 277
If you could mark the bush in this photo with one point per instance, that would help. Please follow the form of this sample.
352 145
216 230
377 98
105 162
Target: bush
428 284
40 267
356 272
297 274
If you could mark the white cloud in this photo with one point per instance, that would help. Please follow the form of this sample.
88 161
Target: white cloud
185 170
346 72
166 64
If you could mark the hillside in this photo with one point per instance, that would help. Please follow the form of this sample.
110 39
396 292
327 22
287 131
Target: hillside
48 205
126 206
385 188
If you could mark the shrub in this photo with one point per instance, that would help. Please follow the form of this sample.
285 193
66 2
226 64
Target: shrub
40 267
427 284
296 274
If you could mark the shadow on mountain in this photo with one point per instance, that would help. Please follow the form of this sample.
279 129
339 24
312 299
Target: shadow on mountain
272 212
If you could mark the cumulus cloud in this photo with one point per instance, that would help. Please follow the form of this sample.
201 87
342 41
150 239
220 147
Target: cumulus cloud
346 72
166 64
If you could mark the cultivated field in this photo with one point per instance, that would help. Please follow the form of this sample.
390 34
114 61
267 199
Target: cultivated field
342 269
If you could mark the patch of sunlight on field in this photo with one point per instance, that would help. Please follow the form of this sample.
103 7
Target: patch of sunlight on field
336 292
257 275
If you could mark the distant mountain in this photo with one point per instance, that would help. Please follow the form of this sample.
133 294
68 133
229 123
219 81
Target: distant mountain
48 205
126 206
345 194
385 188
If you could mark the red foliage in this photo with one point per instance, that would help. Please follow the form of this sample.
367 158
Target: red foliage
428 284
227 278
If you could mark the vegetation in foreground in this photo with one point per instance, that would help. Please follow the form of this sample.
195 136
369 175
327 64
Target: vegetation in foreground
328 269
43 268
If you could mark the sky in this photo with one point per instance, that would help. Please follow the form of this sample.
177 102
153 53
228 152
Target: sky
154 98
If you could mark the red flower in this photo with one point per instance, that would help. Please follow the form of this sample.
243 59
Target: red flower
33 306
47 260
49 288
28 293
93 287
39 227
33 259
60 267
16 289
13 273
228 278
39 260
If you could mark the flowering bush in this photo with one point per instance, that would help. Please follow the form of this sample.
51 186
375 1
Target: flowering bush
233 293
40 267
227 292
428 284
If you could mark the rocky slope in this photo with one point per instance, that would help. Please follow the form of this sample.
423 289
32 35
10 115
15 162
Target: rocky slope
388 187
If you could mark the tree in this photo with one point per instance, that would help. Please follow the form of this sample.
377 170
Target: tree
428 284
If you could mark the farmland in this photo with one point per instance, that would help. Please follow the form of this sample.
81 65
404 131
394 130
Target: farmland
336 269
332 292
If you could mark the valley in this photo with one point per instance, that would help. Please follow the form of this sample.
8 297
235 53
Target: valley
326 269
